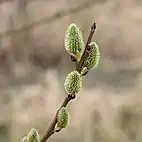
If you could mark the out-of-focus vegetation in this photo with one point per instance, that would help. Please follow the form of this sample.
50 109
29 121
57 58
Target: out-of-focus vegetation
34 63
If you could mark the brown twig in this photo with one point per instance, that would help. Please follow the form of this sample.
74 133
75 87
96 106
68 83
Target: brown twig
79 65
87 48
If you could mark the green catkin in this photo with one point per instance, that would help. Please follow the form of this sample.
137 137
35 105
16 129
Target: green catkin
93 58
33 136
74 42
62 118
73 83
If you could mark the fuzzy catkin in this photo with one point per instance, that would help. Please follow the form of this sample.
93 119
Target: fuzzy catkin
33 136
74 42
62 118
93 58
73 83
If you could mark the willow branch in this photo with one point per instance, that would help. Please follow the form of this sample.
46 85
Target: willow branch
79 65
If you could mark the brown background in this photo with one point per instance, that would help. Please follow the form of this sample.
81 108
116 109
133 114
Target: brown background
34 63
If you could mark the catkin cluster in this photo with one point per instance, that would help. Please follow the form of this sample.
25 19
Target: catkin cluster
74 44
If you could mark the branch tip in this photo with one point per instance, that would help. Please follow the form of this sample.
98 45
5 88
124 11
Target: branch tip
93 27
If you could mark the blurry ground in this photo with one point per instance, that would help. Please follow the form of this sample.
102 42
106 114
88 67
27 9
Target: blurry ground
33 66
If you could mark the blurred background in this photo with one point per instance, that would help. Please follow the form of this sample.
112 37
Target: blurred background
34 63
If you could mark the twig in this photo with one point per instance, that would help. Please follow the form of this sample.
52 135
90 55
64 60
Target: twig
70 97
87 48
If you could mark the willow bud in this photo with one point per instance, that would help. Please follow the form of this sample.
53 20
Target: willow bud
74 43
84 71
33 136
62 118
24 139
93 58
73 83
